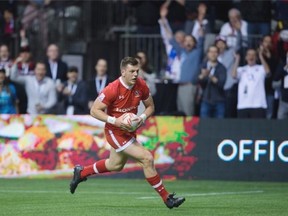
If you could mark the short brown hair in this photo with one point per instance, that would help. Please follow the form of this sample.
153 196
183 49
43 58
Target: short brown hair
128 61
72 69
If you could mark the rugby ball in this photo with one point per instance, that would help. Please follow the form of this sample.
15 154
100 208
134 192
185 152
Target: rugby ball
131 119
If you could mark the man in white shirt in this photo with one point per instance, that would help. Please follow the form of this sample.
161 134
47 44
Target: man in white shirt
251 90
40 90
229 29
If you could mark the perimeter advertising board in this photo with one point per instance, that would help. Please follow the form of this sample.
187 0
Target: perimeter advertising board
241 150
183 147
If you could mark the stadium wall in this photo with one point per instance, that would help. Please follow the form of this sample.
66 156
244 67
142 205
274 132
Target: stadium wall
184 147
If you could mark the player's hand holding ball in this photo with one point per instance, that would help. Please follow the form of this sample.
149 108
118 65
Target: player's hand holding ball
129 122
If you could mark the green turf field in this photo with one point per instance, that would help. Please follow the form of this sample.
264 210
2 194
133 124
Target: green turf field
117 197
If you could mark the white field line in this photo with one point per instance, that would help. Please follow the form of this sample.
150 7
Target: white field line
67 192
210 194
128 193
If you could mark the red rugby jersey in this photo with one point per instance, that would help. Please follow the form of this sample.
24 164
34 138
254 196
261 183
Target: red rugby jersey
121 99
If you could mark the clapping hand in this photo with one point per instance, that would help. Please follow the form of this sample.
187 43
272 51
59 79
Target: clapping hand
205 72
66 91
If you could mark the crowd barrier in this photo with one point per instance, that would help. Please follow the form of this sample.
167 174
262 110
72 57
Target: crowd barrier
183 147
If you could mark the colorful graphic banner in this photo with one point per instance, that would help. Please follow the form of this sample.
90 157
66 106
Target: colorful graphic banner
50 146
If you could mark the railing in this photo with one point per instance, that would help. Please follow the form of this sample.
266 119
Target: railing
61 25
152 45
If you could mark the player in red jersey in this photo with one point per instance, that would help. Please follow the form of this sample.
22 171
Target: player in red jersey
120 97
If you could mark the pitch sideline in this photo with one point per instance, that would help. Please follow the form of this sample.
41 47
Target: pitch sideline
134 193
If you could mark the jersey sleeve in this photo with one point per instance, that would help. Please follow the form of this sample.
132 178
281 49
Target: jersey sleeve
107 95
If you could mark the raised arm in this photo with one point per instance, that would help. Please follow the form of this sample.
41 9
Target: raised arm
14 76
165 29
263 61
235 66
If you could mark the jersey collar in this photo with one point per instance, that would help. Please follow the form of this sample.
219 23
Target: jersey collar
126 86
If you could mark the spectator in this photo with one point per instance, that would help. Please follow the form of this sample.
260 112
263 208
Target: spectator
99 82
8 26
266 48
8 97
258 16
176 15
40 90
55 67
226 57
229 29
146 73
149 77
212 80
5 61
191 56
74 94
251 90
172 71
282 74
192 27
25 65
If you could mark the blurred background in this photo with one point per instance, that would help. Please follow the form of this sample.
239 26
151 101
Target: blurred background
86 31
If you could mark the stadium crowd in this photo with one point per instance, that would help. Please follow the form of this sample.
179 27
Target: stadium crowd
234 75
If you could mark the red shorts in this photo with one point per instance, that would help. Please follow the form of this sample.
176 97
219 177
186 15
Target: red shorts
119 141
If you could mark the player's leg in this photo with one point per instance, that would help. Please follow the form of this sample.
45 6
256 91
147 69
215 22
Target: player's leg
145 158
115 162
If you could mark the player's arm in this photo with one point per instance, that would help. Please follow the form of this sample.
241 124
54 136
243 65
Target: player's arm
149 109
98 111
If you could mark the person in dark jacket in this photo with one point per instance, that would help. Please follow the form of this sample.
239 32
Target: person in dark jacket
99 82
282 74
55 67
73 94
212 80
266 48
